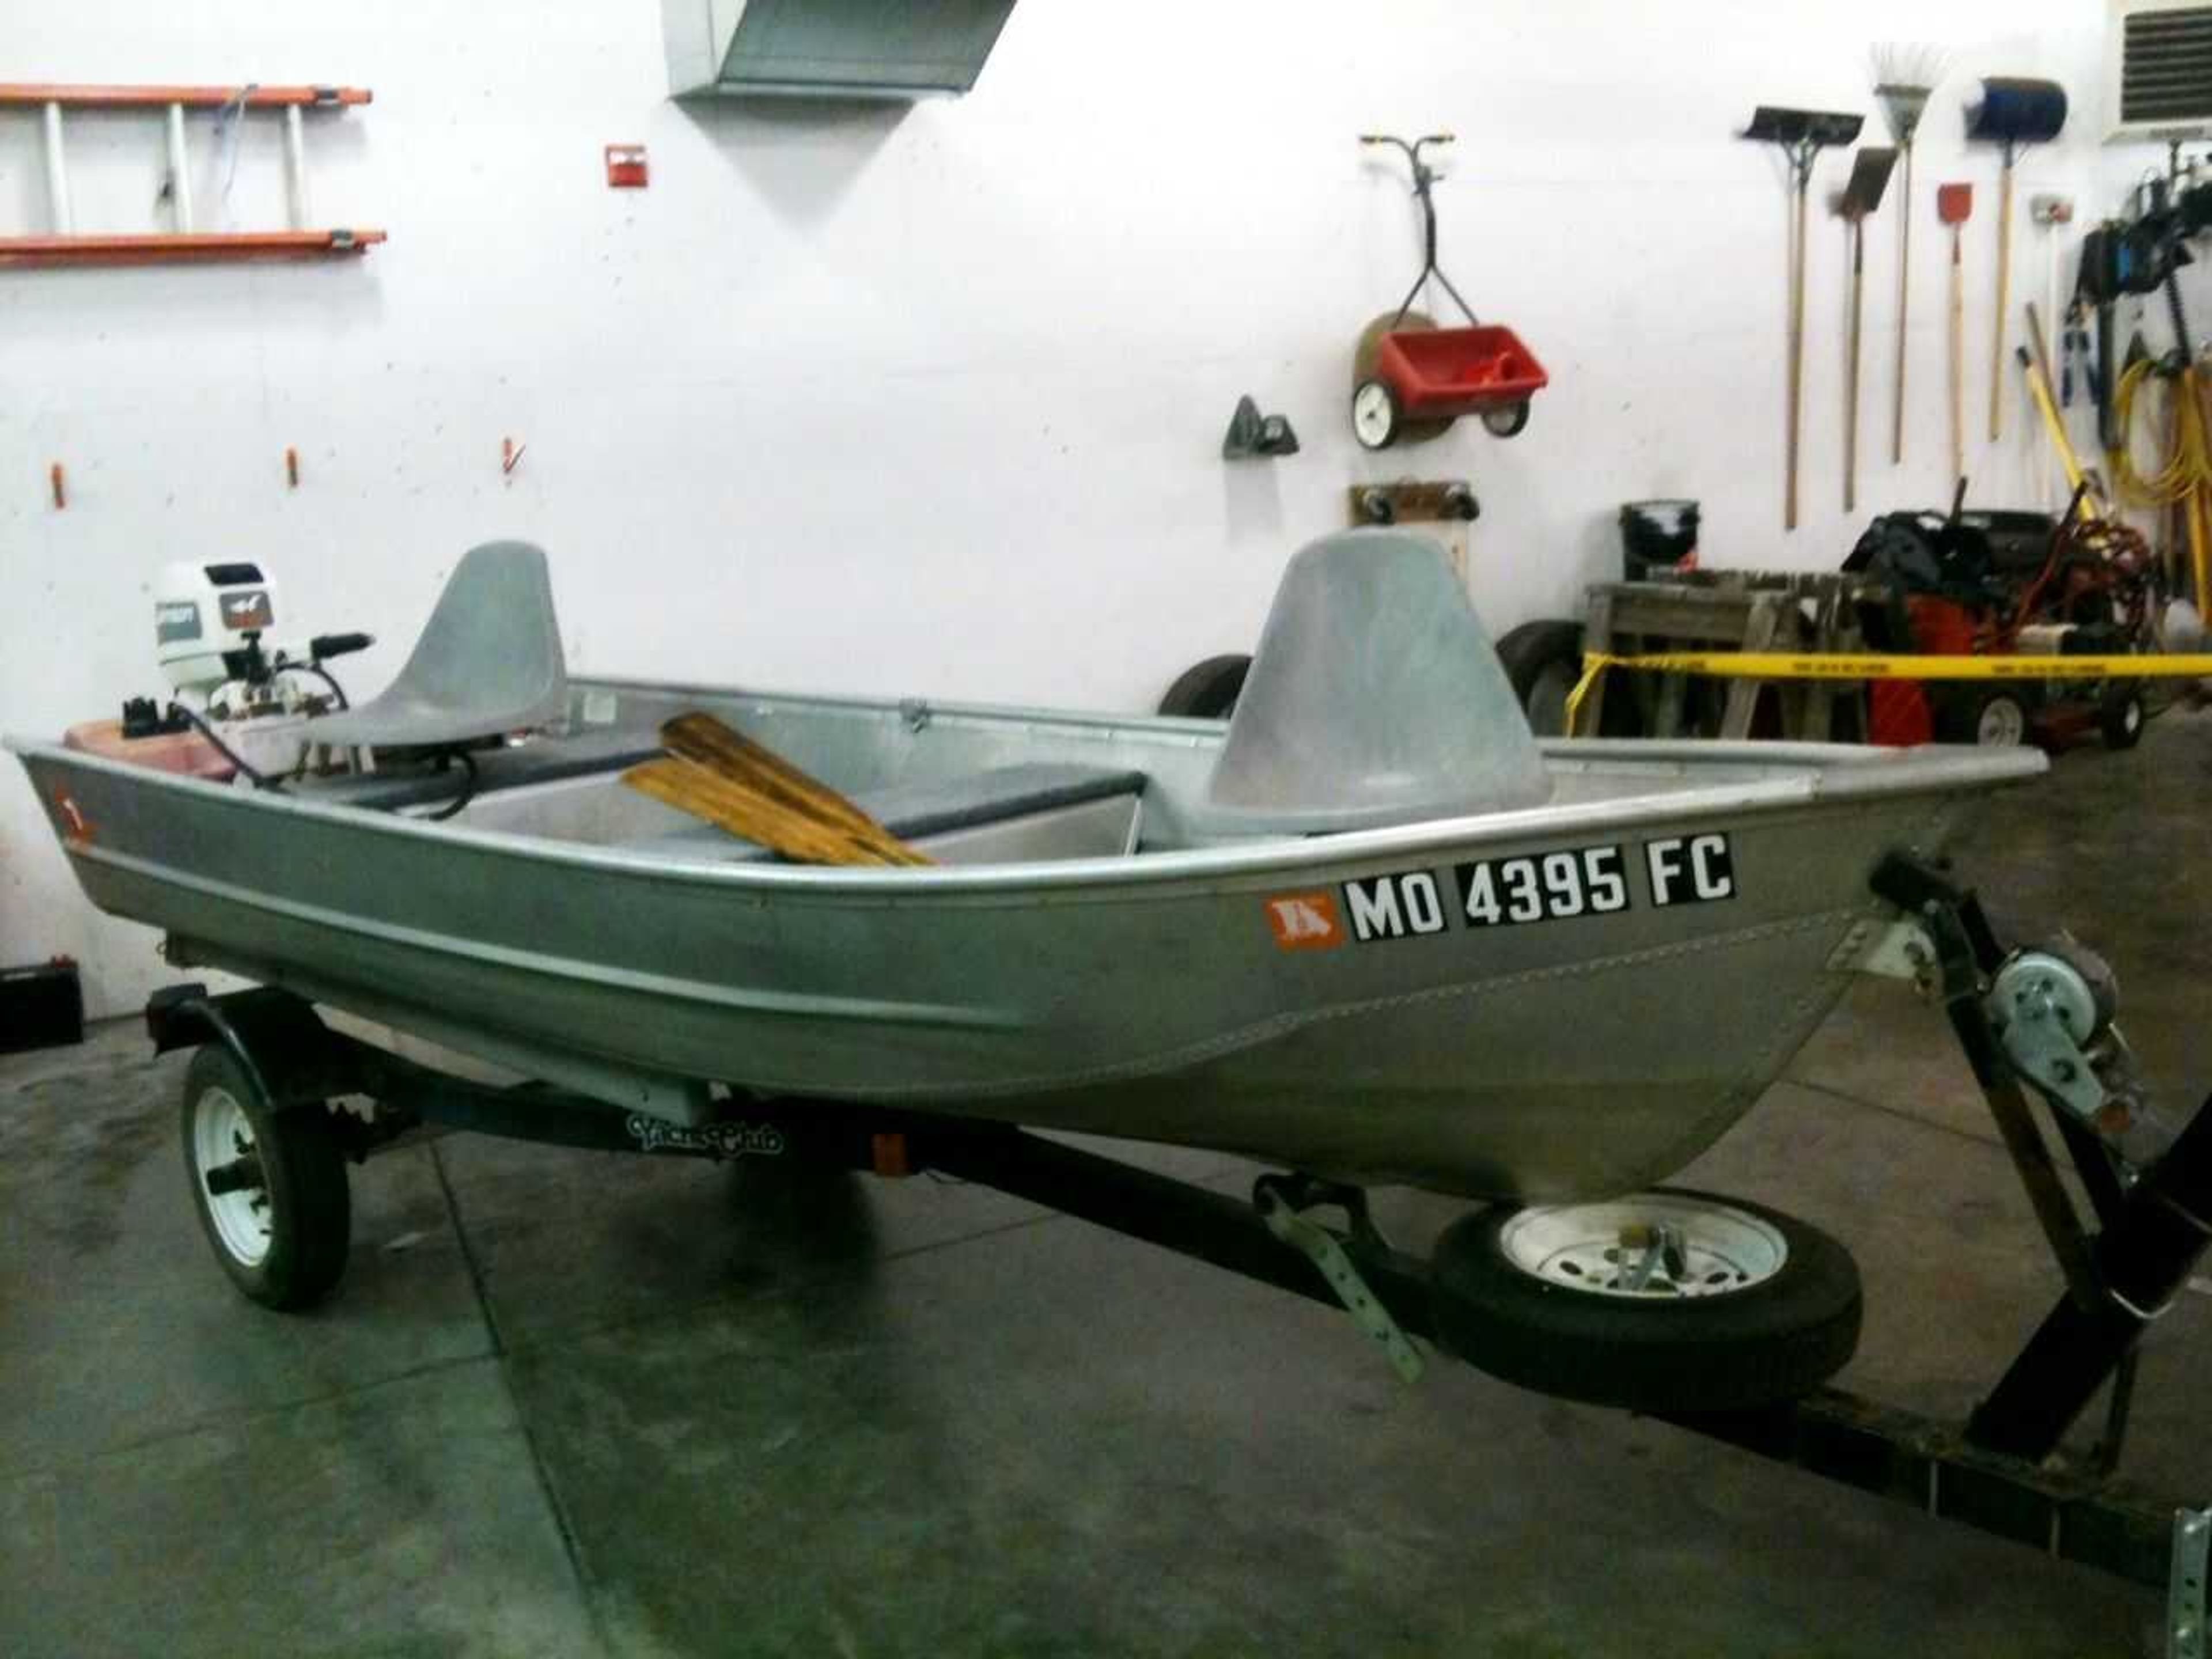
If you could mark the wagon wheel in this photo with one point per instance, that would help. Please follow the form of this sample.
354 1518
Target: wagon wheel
1363 371
1507 420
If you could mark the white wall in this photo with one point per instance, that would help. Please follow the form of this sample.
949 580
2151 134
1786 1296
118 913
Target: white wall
928 400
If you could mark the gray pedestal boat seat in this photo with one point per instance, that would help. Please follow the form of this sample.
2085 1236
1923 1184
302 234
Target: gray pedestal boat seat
489 662
1375 698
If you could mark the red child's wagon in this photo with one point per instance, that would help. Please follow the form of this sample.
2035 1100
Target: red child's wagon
1427 375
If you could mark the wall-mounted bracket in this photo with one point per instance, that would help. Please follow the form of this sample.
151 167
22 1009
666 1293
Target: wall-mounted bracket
1413 501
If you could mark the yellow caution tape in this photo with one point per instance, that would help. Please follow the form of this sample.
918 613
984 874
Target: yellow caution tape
1873 665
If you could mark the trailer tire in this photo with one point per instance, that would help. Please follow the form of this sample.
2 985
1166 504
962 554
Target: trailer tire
1777 1339
1208 690
284 1236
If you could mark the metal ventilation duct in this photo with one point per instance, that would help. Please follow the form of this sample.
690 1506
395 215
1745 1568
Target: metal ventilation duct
2162 70
829 48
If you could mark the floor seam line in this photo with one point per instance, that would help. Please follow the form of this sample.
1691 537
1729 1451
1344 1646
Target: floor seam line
571 1547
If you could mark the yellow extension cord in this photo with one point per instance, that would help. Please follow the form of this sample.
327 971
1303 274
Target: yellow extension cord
2185 474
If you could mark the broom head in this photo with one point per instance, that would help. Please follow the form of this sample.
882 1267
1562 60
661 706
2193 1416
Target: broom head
2016 110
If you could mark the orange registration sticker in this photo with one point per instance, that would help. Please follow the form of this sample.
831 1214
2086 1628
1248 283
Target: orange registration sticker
1304 921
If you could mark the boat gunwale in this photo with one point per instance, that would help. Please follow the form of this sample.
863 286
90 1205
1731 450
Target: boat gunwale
1826 773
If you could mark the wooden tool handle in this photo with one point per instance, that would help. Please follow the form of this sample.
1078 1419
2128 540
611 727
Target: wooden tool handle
1851 375
1903 304
1796 358
1958 363
2004 298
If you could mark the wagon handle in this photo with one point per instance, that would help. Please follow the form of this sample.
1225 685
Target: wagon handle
1413 148
1424 176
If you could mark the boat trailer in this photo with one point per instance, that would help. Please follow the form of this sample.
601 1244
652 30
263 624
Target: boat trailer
2000 1473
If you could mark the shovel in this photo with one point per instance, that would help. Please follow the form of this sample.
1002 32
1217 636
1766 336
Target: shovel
1869 176
1953 203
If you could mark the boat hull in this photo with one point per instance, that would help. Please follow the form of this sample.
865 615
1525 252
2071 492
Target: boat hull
1170 997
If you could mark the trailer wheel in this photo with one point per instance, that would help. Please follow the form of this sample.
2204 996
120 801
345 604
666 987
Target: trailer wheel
1663 1301
1208 690
269 1186
2120 714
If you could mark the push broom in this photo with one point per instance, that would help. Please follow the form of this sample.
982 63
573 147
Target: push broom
2013 111
1870 171
1904 78
1800 134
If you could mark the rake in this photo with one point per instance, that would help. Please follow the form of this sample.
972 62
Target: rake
1905 75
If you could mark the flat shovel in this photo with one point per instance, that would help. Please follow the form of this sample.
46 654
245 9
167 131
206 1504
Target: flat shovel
1870 170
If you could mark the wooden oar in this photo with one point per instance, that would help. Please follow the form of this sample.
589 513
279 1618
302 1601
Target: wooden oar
719 775
706 741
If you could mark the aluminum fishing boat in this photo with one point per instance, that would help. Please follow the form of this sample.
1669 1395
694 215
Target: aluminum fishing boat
1369 928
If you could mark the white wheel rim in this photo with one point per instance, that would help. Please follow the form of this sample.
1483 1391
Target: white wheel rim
1370 414
1598 1248
2132 716
2003 725
221 1134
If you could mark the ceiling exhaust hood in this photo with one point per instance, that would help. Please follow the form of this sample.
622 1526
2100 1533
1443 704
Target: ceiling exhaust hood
829 48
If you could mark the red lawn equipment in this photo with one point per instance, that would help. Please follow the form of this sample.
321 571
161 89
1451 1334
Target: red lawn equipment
1411 380
2008 584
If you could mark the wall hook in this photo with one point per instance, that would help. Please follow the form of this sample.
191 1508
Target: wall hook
291 467
510 454
59 480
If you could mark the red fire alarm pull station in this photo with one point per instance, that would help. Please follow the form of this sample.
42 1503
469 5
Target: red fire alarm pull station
626 167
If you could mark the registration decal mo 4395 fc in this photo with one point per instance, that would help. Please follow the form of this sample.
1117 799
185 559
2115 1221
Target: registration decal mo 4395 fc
1560 884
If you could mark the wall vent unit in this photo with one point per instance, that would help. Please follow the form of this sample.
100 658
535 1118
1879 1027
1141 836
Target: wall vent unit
2161 67
829 48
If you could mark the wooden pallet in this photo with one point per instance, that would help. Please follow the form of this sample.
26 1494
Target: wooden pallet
1726 609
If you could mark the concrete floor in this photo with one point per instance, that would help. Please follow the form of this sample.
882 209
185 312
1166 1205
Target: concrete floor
564 1405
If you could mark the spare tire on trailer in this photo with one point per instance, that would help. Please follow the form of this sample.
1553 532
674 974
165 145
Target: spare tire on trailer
1208 690
1749 1307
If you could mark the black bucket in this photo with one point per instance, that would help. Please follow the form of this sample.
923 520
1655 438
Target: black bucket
1657 537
